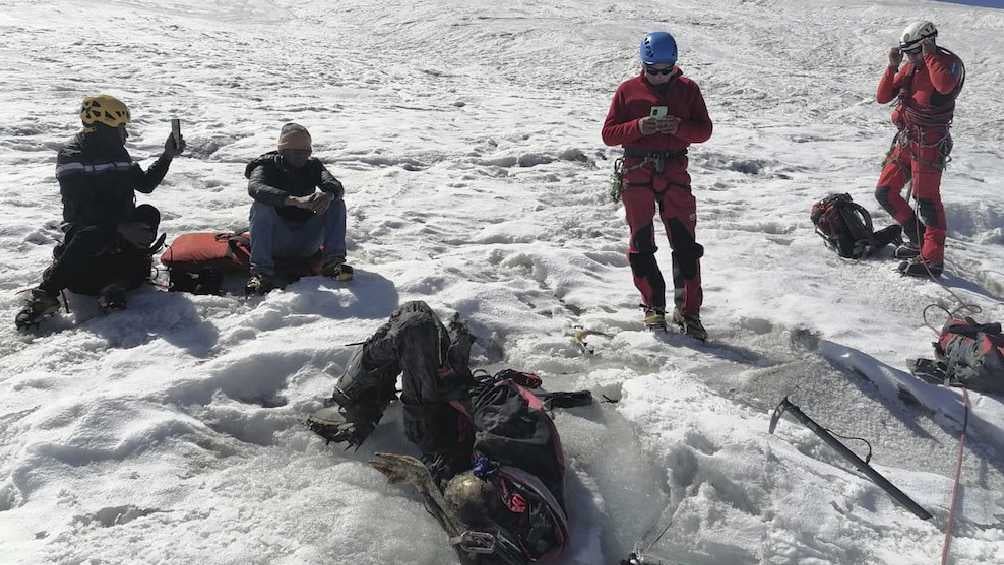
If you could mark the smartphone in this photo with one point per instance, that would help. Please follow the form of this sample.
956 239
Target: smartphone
176 131
659 112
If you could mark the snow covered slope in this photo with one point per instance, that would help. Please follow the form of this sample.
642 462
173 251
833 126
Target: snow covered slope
467 135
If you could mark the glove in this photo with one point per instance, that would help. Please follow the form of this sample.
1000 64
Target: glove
170 149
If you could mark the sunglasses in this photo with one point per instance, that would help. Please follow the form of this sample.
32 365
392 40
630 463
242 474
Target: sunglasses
654 71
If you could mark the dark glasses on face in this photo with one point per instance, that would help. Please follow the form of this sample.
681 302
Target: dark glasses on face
911 50
654 71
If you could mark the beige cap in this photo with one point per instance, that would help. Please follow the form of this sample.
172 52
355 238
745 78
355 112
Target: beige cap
294 136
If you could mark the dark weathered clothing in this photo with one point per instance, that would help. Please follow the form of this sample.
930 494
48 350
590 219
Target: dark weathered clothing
97 178
92 257
271 182
457 422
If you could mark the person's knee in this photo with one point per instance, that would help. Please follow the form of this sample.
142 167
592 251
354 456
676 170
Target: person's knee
686 251
643 265
928 212
882 196
262 215
416 306
643 240
148 215
415 322
640 261
335 210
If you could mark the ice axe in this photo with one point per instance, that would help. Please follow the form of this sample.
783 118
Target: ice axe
786 406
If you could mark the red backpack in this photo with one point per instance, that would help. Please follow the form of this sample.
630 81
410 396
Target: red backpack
197 262
847 227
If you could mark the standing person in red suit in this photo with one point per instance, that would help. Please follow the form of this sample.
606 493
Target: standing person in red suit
655 117
925 89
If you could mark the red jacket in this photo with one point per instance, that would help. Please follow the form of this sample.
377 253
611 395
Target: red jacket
927 88
635 98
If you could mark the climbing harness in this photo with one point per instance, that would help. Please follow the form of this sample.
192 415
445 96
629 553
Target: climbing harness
657 158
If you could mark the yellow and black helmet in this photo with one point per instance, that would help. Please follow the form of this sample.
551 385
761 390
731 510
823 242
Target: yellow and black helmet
103 109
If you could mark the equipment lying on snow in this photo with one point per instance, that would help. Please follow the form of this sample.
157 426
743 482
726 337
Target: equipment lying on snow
968 353
862 465
847 228
198 262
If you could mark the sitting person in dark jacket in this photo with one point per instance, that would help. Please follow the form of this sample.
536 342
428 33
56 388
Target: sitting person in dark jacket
492 469
108 239
289 218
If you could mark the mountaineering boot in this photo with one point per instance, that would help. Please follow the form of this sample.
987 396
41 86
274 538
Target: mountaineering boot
40 304
346 420
339 424
655 318
918 267
112 297
335 268
260 284
358 401
907 250
690 324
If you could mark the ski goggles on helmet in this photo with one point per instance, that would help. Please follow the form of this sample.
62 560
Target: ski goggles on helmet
655 72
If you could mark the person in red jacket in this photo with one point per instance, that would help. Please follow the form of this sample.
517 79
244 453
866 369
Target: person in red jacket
925 89
655 117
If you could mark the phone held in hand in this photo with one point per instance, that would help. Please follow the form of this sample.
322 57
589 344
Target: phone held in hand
659 112
176 131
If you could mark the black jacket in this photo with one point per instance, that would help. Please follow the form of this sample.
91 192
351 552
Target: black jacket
97 178
271 181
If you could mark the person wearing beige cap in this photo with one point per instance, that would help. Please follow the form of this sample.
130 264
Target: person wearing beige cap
298 211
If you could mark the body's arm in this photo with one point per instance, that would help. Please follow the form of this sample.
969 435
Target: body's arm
697 128
945 71
888 86
263 192
329 183
146 181
617 128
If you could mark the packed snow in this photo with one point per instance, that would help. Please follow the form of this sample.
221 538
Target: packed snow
467 136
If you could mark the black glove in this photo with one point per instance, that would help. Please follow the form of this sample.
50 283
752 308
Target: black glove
170 149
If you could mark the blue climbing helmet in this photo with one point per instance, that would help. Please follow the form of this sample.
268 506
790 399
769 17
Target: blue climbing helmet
658 48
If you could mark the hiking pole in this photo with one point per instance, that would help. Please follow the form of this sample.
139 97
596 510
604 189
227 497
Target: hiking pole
864 467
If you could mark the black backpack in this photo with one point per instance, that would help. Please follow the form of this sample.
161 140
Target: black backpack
847 227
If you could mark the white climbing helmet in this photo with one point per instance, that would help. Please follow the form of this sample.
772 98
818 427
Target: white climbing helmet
916 33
